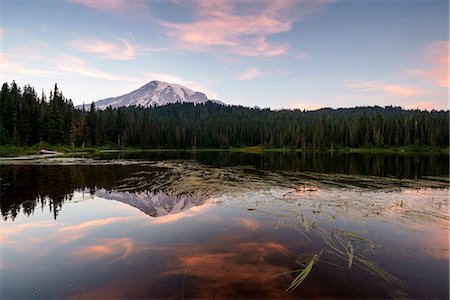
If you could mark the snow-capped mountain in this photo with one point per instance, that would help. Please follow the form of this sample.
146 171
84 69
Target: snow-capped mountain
154 204
154 93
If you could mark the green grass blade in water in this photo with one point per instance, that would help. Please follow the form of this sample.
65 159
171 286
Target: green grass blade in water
303 274
350 252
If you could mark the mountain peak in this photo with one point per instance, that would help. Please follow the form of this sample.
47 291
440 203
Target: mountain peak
155 93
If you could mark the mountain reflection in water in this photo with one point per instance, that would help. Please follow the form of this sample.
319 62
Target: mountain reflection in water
27 187
154 204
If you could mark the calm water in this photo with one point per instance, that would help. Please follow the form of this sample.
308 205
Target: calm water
225 225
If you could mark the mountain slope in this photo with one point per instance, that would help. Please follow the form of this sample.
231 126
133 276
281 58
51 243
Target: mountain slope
154 93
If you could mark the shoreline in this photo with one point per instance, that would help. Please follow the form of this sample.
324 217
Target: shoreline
30 152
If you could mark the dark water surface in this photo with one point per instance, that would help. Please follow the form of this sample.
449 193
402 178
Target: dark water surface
377 164
225 225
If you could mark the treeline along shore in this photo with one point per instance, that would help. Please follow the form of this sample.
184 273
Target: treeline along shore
28 119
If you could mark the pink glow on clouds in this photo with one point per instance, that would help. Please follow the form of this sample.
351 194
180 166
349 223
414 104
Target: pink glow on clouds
395 90
111 5
88 225
123 50
33 62
240 27
249 74
173 218
72 64
22 69
437 56
424 105
308 106
119 248
399 90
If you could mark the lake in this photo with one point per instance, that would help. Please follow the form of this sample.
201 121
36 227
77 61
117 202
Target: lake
226 225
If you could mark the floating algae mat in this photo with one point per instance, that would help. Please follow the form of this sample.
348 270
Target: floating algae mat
93 228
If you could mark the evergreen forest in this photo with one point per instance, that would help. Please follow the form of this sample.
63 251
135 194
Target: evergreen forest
28 119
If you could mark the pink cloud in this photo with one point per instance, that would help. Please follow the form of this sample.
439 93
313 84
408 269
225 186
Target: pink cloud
172 218
399 90
437 56
9 231
123 50
308 106
226 268
26 62
10 67
111 5
68 234
88 225
376 86
2 33
72 64
118 248
240 27
248 224
425 105
120 49
249 74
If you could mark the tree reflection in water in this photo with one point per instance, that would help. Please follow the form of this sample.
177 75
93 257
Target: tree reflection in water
29 186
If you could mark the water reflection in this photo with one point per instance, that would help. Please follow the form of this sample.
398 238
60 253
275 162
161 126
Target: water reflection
231 247
180 229
159 188
375 164
26 187
154 204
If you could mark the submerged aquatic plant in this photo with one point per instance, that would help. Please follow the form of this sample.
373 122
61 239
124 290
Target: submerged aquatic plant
339 249
344 245
303 273
350 252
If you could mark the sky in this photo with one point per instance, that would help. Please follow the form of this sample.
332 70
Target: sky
304 54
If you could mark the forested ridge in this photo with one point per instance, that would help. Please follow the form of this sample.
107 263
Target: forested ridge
28 119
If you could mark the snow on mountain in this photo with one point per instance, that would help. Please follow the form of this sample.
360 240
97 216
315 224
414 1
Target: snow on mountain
154 204
154 93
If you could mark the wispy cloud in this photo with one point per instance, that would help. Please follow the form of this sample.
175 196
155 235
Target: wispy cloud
33 61
437 56
240 27
187 83
73 64
14 230
117 248
301 55
68 234
399 90
378 86
88 225
11 67
111 5
121 50
2 33
249 74
172 218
